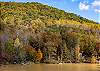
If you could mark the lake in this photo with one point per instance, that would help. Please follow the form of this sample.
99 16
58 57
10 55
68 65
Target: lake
51 67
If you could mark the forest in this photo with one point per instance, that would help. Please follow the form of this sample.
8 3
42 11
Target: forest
34 32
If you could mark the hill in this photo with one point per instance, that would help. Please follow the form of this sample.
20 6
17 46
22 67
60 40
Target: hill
41 33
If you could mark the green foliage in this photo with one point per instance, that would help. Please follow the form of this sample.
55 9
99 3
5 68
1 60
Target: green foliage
30 53
9 51
88 45
32 11
55 32
31 56
10 47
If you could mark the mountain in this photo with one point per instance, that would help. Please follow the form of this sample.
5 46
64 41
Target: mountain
34 10
30 28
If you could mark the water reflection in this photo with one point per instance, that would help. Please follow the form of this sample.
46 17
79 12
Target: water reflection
52 67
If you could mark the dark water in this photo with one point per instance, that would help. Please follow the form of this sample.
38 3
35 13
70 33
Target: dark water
51 67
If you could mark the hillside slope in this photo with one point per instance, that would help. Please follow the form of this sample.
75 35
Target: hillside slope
40 33
32 11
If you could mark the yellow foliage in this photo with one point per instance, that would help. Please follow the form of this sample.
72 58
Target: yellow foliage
17 43
93 59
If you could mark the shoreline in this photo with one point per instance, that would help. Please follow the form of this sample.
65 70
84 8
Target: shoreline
51 64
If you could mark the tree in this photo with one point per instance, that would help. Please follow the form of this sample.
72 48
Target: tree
39 55
30 53
20 53
16 43
87 46
10 50
71 40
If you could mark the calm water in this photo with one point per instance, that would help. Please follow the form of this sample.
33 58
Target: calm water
51 67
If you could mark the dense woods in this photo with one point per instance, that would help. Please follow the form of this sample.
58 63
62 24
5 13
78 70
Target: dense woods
44 34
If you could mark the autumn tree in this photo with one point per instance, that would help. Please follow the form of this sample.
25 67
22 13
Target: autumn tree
30 53
39 55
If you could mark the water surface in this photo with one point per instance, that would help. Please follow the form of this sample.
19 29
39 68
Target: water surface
51 67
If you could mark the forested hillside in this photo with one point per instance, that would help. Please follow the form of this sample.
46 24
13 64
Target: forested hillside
41 33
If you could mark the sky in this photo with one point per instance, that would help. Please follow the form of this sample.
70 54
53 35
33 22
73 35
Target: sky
89 9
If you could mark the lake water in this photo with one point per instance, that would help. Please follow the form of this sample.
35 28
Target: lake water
51 67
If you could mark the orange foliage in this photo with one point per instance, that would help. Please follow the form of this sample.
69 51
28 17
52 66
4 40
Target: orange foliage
39 55
29 49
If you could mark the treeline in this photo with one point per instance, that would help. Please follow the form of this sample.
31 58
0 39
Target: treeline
43 34
52 44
